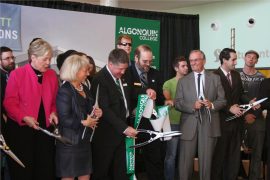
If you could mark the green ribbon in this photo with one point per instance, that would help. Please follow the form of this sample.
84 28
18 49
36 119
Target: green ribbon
130 152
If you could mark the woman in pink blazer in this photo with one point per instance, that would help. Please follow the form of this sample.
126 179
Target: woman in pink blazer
30 103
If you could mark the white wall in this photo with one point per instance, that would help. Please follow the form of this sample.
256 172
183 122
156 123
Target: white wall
93 34
233 14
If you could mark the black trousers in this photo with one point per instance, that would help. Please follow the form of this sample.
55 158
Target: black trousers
152 155
225 164
35 149
268 146
109 163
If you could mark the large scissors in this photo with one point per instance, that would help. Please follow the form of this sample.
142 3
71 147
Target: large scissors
246 107
154 136
208 113
7 150
56 134
93 115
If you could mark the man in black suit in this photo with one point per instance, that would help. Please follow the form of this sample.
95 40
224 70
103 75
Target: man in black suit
7 64
146 80
109 158
226 157
265 92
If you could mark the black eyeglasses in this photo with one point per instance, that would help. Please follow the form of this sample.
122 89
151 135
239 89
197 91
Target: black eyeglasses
125 44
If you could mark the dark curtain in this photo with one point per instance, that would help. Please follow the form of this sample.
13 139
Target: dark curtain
178 33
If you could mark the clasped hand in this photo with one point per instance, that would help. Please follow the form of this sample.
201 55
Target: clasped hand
200 103
92 121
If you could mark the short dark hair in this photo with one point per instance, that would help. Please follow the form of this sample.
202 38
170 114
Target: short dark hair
141 48
118 56
62 57
225 54
177 60
125 36
4 49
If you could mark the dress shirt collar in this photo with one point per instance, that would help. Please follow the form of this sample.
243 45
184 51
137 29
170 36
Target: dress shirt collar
111 74
224 72
202 73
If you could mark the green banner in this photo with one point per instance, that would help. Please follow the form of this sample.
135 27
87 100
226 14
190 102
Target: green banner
142 31
130 152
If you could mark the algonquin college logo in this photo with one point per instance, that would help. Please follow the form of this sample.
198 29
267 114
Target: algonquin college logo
142 31
144 34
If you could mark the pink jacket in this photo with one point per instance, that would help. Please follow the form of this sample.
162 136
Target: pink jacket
24 93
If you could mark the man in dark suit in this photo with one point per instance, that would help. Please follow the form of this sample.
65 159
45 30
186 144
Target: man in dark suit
146 80
109 158
199 97
7 64
227 152
265 92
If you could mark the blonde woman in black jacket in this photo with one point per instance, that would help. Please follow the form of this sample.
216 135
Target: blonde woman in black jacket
74 104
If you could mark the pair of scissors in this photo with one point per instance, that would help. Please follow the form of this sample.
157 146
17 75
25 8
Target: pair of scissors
203 108
7 150
247 107
154 136
93 115
56 134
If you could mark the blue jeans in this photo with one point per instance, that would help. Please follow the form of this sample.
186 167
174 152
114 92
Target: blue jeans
171 153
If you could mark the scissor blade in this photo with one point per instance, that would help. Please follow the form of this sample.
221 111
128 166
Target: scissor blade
259 101
14 157
171 134
230 118
63 139
47 132
97 95
140 145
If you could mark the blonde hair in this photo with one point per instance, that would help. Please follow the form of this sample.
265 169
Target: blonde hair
39 47
72 65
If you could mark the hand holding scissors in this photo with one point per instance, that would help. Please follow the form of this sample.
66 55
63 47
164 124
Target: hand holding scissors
245 108
154 136
94 114
56 134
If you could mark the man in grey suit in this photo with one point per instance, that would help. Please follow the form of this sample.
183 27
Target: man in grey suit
199 96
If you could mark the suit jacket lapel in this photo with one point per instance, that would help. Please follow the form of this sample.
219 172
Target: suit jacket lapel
206 84
192 85
111 80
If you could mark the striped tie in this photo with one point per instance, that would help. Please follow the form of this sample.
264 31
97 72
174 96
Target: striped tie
143 79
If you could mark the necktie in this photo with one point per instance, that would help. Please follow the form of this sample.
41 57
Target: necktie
143 79
117 82
199 84
229 78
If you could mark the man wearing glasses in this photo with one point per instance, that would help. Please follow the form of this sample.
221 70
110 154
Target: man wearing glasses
125 42
7 64
199 97
147 80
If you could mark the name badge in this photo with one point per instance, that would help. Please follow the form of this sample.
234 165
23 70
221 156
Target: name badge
125 84
137 84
